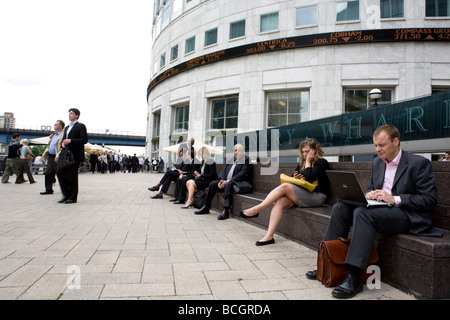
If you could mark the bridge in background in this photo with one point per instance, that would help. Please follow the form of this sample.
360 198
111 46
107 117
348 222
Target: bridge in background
94 138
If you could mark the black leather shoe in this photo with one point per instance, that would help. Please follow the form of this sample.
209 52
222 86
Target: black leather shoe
173 200
203 210
154 188
157 196
62 200
70 201
312 275
348 288
243 215
178 202
47 192
263 243
224 214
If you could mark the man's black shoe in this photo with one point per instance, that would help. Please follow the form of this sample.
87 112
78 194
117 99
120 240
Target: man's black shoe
47 192
348 288
70 201
62 200
154 188
224 214
312 275
203 210
173 200
178 202
157 196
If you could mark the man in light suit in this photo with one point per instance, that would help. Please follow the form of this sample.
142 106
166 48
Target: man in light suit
75 137
398 177
50 155
238 170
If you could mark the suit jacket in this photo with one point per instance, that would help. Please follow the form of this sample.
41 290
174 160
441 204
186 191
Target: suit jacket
210 173
78 136
191 167
242 171
57 146
414 183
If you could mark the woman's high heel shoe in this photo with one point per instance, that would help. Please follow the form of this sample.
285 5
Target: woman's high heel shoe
243 215
187 206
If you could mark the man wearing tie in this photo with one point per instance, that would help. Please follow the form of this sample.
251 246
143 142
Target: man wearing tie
239 170
75 137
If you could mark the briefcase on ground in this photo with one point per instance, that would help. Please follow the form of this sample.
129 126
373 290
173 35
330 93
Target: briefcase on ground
331 267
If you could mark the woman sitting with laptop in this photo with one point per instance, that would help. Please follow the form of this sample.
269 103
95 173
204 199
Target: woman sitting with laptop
312 167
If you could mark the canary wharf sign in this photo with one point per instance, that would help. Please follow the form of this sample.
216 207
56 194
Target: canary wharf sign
417 119
322 39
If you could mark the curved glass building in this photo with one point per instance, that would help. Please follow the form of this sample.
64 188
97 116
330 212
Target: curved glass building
232 66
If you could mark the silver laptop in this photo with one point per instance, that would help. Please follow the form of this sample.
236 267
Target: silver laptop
348 189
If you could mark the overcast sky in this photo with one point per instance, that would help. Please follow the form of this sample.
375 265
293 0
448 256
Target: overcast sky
90 54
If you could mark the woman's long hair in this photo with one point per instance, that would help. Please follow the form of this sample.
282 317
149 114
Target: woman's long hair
313 144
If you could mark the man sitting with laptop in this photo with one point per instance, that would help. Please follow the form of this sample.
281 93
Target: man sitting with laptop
405 181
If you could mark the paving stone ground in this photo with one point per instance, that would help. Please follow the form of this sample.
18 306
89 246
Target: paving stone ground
117 243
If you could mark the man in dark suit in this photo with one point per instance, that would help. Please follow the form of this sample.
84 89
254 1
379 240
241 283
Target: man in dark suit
182 166
238 170
75 137
398 177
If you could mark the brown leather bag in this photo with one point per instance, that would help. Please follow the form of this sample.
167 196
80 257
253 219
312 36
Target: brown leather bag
331 267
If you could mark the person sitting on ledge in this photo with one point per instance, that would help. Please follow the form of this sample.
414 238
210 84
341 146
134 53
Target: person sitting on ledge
202 178
312 167
171 175
402 179
234 171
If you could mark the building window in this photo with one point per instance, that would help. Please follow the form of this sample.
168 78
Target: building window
306 16
237 29
392 8
358 99
287 108
437 8
347 11
439 89
211 37
181 119
166 15
156 124
269 22
174 53
190 45
162 60
224 113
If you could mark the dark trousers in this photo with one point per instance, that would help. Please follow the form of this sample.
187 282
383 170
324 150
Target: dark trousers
365 223
168 177
50 173
68 181
213 188
181 189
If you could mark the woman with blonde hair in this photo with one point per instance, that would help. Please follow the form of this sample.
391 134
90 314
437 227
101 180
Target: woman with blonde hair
24 160
201 179
312 167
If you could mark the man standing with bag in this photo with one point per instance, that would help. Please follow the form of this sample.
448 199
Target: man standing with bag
74 138
402 179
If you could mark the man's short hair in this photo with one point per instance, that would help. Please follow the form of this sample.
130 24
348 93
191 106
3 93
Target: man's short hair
75 110
61 123
15 135
391 131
